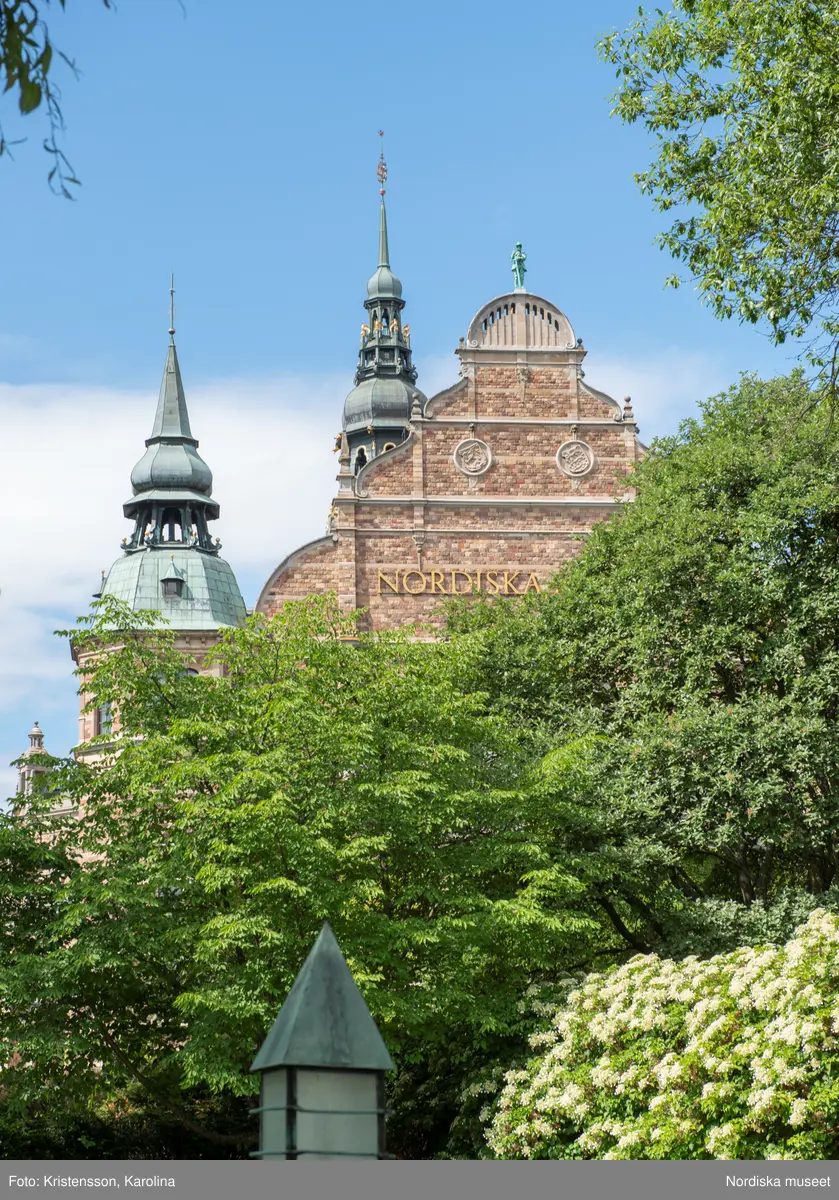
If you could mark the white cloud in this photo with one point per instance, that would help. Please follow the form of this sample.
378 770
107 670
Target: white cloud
665 387
65 460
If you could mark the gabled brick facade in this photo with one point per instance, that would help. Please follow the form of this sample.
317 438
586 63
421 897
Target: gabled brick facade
498 481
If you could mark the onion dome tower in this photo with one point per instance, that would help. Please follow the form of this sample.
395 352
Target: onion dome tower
170 562
378 409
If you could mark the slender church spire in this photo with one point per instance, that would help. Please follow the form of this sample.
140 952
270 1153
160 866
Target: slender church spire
383 285
377 411
381 174
171 419
384 257
172 483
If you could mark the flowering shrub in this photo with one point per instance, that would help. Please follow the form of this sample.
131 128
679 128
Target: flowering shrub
732 1057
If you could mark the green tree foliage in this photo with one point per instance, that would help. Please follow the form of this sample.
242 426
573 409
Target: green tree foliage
741 97
696 640
736 1057
27 61
149 941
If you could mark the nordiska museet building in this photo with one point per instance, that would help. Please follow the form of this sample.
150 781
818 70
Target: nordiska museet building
488 486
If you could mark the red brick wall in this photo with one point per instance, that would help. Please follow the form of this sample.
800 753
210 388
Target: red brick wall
396 527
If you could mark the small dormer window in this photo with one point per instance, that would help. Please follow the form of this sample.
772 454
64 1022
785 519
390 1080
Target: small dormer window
172 583
172 588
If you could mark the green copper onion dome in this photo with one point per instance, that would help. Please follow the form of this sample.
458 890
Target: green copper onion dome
171 459
381 401
171 562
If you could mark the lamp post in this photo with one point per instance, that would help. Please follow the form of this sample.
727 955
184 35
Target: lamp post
323 1067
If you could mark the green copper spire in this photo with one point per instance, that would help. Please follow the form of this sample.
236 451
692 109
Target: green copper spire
384 258
172 483
377 411
171 563
383 285
172 419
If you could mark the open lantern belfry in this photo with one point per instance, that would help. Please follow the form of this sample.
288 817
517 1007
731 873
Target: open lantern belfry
323 1065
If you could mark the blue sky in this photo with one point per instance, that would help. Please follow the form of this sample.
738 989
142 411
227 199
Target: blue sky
237 146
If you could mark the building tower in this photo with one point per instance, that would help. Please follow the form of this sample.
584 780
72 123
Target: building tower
378 409
171 563
496 480
27 770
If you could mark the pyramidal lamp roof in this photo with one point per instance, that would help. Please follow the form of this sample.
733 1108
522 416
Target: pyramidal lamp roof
324 1022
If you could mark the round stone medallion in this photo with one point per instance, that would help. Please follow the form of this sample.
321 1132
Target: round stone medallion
575 458
472 457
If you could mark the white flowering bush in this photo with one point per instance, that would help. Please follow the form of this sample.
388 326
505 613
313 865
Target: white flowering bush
733 1057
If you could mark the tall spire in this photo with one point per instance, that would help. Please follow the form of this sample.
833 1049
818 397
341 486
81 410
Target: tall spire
383 284
172 483
384 259
381 175
377 411
172 419
171 564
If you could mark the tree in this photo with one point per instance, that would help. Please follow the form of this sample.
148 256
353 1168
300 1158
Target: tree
741 97
27 60
149 941
734 1058
696 638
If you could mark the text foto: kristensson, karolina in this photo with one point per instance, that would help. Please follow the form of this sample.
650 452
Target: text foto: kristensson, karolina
91 1181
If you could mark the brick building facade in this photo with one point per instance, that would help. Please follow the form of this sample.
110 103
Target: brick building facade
494 483
488 486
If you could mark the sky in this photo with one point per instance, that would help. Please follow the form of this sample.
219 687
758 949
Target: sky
236 146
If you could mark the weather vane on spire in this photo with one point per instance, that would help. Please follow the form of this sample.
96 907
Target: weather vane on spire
381 169
172 306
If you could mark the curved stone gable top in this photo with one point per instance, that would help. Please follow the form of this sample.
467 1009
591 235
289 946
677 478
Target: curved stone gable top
520 321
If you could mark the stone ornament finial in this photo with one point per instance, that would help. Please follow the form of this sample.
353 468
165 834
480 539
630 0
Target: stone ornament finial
381 169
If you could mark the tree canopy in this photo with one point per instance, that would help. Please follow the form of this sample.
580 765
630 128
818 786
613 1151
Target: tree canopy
742 99
27 63
696 639
641 759
322 775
